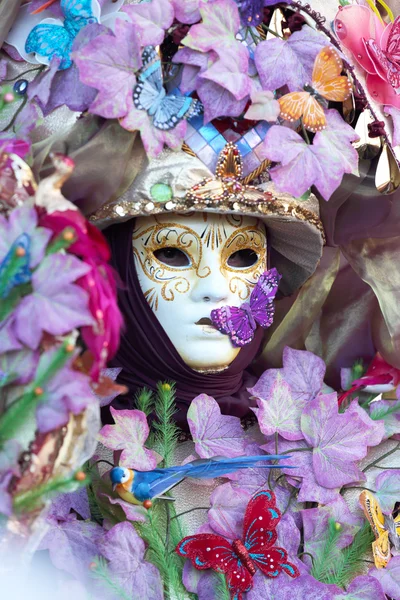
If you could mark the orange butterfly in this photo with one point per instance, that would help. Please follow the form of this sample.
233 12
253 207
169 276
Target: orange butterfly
326 83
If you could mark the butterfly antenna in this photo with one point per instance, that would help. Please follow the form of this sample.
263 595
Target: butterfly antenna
43 7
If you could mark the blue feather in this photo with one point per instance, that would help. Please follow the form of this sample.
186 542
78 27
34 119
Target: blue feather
166 110
50 40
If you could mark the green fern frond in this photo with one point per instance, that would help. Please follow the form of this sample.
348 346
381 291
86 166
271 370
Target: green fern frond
222 588
166 430
144 400
352 561
327 555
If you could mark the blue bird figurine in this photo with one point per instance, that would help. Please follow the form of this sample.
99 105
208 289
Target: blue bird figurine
141 487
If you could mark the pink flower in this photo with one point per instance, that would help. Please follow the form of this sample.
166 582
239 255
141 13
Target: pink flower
371 44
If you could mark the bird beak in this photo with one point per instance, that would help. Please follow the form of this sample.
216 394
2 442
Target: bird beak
114 486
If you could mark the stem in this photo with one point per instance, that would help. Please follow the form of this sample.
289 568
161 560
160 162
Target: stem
268 30
307 554
21 106
189 511
292 495
297 450
373 464
304 130
41 68
276 442
355 487
256 39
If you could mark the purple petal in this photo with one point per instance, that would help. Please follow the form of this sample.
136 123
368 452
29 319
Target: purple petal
187 12
214 434
217 31
304 372
218 102
133 512
39 88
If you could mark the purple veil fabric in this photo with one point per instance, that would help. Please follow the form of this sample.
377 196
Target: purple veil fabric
147 355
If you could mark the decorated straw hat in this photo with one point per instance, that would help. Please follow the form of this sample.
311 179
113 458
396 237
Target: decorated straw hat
181 183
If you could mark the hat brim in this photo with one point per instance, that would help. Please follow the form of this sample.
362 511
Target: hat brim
295 233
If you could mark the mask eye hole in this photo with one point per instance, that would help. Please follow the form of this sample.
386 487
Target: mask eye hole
172 257
242 259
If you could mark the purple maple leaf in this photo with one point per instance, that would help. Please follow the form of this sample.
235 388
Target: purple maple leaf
289 62
109 63
124 550
133 512
362 588
72 544
304 587
277 412
129 434
339 441
302 474
389 578
226 514
68 391
153 138
66 87
151 20
23 219
376 429
187 12
387 486
282 393
62 505
218 29
56 305
225 86
214 434
382 410
39 88
195 63
303 165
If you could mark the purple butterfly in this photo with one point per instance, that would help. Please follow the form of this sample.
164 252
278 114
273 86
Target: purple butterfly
241 322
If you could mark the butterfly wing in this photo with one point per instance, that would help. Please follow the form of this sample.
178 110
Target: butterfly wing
233 321
393 43
78 14
293 105
326 78
15 271
208 551
261 299
208 189
51 41
259 527
385 67
301 104
173 109
374 515
150 81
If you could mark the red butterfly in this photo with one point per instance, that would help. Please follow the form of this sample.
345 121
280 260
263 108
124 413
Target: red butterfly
240 560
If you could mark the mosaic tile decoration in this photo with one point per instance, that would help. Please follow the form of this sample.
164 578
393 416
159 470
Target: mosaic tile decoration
207 141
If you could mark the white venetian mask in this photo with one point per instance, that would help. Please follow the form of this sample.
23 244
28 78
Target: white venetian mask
187 265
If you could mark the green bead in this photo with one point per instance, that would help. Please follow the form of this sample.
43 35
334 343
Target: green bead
161 192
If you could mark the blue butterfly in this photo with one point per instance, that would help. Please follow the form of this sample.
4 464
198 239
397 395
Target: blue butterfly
150 95
50 40
14 269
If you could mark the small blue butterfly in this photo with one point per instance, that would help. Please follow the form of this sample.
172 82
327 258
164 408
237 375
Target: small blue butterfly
14 269
150 95
50 40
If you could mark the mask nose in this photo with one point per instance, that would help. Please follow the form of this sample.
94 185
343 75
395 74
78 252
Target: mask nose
213 289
